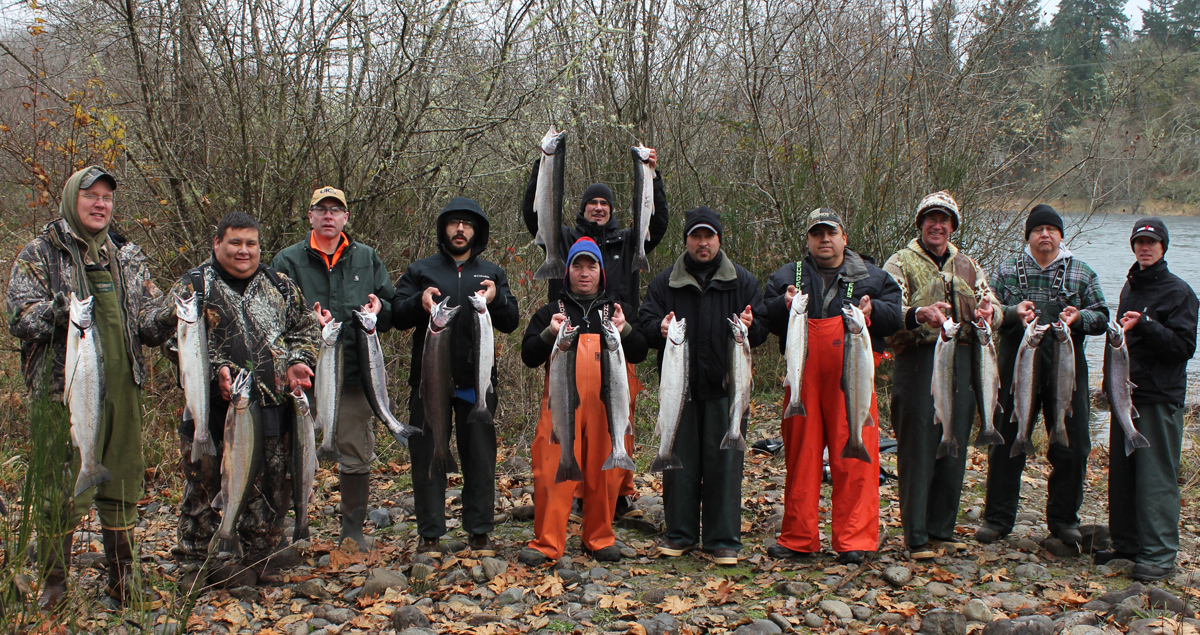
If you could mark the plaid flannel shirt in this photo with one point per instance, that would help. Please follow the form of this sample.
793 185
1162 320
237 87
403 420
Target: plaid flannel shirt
1081 289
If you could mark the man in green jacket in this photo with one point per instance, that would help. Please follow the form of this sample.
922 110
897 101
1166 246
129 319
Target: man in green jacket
339 275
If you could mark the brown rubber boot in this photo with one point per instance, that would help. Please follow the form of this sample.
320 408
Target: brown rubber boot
54 555
356 492
125 582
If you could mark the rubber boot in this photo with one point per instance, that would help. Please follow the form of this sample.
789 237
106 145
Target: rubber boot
125 584
55 556
355 495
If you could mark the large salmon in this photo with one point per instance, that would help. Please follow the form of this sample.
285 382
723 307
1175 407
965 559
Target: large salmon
795 353
374 378
239 463
83 392
673 394
1024 388
327 388
483 353
195 372
985 379
304 463
858 380
942 387
548 204
739 382
614 391
437 386
563 400
643 202
1064 381
1118 386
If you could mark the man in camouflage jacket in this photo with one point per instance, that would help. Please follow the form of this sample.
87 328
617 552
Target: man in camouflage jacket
256 319
938 282
80 254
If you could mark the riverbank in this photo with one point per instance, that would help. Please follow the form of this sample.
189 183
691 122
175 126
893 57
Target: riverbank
1155 207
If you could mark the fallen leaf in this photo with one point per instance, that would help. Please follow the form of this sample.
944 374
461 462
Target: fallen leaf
621 602
552 587
676 605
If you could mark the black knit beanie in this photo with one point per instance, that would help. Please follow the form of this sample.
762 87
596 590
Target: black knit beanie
1043 214
596 190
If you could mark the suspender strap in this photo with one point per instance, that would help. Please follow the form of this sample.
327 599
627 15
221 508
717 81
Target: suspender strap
1057 285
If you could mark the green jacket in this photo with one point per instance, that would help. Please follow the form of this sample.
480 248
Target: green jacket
961 282
341 290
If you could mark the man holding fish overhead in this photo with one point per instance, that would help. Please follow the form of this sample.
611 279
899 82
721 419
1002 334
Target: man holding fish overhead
622 247
338 276
805 303
1146 379
79 286
1043 285
942 288
262 346
725 317
434 296
587 338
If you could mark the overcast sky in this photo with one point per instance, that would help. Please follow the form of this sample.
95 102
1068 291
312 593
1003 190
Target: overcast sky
1133 9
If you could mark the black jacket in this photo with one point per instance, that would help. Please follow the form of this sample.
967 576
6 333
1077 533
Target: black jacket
1164 339
618 246
535 350
707 311
866 278
440 270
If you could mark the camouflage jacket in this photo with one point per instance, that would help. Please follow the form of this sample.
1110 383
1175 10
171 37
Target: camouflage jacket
51 265
961 282
261 328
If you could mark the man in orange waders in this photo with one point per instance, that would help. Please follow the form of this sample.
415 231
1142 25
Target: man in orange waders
832 276
586 303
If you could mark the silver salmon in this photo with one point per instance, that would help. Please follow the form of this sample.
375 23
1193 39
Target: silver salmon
548 204
370 359
739 382
943 387
484 355
643 202
986 382
1064 381
437 386
1118 386
614 391
858 380
1023 388
327 389
195 373
795 353
563 400
673 394
83 392
239 463
304 463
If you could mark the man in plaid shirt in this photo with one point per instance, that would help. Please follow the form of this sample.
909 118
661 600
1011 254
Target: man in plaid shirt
1045 283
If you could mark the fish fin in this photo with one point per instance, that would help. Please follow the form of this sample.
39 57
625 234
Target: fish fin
624 463
301 532
1131 384
1022 446
660 464
442 465
642 263
1059 436
731 442
406 431
328 454
91 478
554 438
1135 441
793 409
1133 412
570 472
989 437
202 448
859 452
949 447
481 415
552 269
218 501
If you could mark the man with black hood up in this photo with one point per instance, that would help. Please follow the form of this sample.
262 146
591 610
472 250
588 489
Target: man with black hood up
454 273
618 246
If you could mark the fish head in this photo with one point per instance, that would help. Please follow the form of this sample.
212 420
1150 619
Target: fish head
854 319
80 312
441 315
187 310
800 303
1034 334
331 332
983 330
1061 331
949 329
611 335
479 303
239 393
677 330
552 141
366 320
301 401
737 329
566 336
640 153
1116 334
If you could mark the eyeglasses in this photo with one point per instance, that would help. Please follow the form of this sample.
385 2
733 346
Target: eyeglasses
460 221
331 211
90 197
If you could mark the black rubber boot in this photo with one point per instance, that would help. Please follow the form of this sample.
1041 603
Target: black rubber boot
124 582
55 556
356 492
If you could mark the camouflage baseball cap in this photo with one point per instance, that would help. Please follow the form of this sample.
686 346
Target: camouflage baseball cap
824 216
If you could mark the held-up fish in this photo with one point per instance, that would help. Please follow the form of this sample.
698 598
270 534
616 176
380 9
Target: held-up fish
795 353
484 354
239 463
858 380
943 387
370 359
327 389
739 382
548 204
304 463
563 400
437 386
673 393
643 202
1120 397
1023 388
195 374
614 391
83 392
1064 381
986 382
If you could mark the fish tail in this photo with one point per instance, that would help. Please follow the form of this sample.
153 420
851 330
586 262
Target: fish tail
989 437
405 432
642 263
443 463
794 408
301 532
228 544
91 478
660 463
856 451
1134 442
733 442
622 462
201 448
1059 436
552 269
481 415
568 472
1021 446
948 447
329 453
